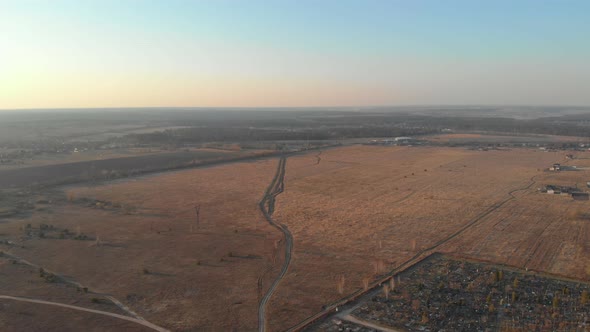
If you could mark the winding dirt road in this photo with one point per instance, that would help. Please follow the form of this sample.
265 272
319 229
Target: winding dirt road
267 206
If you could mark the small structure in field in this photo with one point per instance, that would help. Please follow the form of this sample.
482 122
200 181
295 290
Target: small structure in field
588 184
403 140
554 189
555 167
580 196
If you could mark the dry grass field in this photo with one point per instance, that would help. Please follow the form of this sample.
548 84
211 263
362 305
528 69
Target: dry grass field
495 139
354 212
74 157
364 210
31 317
148 257
23 281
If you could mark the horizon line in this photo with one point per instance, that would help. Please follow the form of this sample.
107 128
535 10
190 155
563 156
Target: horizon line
357 107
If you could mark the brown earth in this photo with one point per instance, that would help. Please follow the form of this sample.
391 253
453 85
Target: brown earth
45 159
21 280
149 259
361 208
32 317
491 139
101 169
354 212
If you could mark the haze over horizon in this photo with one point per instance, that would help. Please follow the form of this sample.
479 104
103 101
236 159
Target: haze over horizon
96 54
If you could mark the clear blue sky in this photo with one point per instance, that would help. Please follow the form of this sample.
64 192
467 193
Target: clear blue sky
293 53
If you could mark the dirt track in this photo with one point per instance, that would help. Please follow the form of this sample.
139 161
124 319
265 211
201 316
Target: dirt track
110 314
406 264
79 285
267 206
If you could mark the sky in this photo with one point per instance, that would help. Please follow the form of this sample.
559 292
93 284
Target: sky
251 53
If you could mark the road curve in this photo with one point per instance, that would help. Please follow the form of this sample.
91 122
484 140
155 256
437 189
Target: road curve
267 205
105 313
76 284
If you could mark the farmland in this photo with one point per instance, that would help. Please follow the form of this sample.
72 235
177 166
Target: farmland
360 212
486 138
101 169
145 248
355 213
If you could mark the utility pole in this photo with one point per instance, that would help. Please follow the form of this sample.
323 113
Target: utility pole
198 212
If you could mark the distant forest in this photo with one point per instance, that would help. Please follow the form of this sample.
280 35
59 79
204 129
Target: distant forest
342 125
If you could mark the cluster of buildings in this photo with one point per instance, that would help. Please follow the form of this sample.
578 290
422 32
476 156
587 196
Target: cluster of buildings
402 140
576 193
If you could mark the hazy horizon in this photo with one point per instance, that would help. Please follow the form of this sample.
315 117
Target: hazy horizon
285 54
363 108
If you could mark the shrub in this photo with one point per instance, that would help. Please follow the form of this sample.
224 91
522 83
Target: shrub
50 277
366 283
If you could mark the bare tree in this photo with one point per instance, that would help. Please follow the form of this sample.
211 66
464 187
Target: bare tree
198 213
386 291
340 284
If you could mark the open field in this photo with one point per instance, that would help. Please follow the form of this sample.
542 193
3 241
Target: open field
101 169
23 316
20 280
358 212
477 138
354 213
45 159
152 255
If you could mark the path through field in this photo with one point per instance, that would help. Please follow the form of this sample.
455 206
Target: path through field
409 262
77 284
267 206
134 320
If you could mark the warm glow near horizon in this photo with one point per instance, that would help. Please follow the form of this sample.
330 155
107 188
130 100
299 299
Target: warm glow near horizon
58 54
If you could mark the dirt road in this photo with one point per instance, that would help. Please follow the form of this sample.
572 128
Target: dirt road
267 206
134 320
76 284
329 308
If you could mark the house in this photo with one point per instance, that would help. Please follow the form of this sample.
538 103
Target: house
557 167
